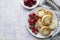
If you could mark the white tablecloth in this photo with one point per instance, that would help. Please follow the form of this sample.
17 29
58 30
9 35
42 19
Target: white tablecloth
13 21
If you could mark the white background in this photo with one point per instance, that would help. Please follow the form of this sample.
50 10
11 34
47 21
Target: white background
13 21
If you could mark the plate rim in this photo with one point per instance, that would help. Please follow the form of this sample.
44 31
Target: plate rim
28 24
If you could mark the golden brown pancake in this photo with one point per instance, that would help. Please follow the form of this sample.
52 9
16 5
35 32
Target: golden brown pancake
52 25
49 13
45 31
39 23
46 19
41 12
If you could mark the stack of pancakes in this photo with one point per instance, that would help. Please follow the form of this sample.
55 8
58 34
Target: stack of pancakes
45 21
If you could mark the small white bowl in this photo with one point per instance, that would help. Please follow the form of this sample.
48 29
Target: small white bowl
37 3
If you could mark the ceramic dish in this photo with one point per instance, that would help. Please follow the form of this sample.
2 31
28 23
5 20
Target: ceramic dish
37 3
39 34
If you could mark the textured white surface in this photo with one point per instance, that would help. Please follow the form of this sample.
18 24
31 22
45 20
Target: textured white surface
13 21
57 2
10 20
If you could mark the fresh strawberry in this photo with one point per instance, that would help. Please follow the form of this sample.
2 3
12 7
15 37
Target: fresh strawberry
32 18
34 1
31 14
29 3
36 18
35 28
35 32
31 21
31 26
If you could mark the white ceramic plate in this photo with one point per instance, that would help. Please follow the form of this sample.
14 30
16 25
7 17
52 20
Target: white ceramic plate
39 35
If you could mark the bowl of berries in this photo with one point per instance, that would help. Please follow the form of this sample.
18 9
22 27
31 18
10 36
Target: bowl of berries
30 4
